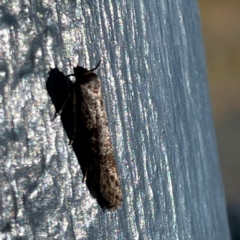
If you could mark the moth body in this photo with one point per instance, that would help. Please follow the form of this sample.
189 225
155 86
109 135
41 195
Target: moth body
84 119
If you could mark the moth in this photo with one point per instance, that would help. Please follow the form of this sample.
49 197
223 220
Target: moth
81 107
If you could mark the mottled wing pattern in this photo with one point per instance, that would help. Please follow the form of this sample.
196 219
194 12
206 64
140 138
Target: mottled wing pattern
101 172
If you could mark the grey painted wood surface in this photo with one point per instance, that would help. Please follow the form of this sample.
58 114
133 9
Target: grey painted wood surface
156 93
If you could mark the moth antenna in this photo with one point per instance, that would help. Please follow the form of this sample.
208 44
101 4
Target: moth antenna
70 63
84 178
55 115
96 66
70 75
60 111
75 118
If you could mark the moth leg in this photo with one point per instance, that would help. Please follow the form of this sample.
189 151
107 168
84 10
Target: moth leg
84 177
75 117
60 111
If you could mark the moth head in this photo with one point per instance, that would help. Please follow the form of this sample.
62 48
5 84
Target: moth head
81 71
88 78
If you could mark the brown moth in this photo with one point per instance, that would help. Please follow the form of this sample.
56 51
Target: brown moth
81 107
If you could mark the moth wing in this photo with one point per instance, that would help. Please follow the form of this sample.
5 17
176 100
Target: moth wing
110 185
